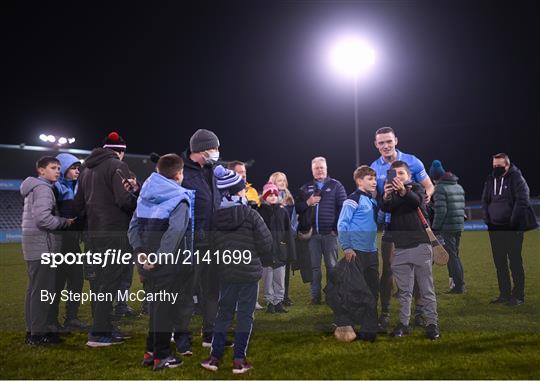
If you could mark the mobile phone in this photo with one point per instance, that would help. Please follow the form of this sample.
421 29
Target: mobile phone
316 192
390 176
119 173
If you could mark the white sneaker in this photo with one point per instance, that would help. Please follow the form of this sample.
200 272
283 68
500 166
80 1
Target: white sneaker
258 306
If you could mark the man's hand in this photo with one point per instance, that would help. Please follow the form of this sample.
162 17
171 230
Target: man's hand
399 186
70 221
131 185
349 255
313 200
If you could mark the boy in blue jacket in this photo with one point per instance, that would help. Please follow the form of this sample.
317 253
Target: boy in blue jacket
162 224
357 234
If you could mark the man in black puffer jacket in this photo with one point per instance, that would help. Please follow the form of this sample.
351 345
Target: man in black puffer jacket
507 213
244 244
321 198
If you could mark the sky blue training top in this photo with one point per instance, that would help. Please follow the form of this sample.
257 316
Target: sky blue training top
381 166
357 226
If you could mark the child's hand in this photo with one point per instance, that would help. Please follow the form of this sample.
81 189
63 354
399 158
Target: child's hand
147 266
388 189
349 255
70 221
399 186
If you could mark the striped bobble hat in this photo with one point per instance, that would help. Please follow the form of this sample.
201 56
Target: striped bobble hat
228 182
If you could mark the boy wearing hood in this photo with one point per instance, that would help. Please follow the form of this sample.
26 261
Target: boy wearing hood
507 213
160 225
448 219
236 228
69 276
40 225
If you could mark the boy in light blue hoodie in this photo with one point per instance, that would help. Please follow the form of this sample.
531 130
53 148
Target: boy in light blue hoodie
162 224
357 235
70 277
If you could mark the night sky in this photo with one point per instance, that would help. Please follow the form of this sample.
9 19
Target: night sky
458 81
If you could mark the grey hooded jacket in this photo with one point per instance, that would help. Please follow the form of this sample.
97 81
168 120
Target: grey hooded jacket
41 220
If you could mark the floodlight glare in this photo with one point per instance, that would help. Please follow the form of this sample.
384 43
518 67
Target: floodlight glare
62 141
43 138
351 56
71 140
51 138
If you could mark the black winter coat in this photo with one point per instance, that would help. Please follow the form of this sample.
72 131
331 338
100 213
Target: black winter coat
326 213
241 228
506 203
349 296
207 196
101 194
405 225
277 220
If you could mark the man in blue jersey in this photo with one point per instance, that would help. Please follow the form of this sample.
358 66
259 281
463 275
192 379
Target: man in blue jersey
386 142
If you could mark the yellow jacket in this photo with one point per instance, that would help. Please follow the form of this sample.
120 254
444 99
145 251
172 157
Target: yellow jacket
252 194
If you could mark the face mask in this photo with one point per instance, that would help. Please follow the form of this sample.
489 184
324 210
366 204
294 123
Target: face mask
498 171
213 157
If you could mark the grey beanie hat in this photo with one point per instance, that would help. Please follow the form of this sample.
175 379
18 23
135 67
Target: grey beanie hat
202 140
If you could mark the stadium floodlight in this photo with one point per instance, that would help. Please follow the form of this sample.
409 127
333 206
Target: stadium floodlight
351 56
71 140
51 138
43 138
62 141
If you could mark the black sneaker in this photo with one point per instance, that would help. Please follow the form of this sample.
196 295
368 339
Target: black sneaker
499 300
432 332
280 309
48 339
515 302
384 323
148 359
76 325
169 362
367 336
287 302
241 366
401 330
102 341
211 363
270 308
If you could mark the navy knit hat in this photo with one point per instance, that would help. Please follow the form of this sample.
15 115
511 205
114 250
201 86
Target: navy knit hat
228 182
436 171
203 140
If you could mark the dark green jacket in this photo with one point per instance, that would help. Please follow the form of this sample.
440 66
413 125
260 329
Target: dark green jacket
448 204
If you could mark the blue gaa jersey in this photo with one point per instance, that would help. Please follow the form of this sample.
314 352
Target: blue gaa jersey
357 226
381 167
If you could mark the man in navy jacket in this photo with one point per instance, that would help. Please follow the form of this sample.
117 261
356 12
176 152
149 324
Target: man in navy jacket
322 197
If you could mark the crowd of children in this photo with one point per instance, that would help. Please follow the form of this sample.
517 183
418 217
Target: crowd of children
165 215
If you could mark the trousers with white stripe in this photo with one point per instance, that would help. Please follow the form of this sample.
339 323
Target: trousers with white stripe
243 295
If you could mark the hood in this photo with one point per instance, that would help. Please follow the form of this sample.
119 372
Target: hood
449 178
30 183
98 156
231 218
66 161
159 196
